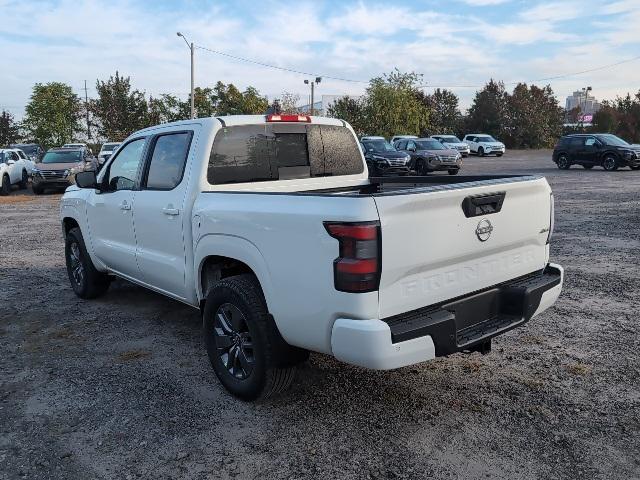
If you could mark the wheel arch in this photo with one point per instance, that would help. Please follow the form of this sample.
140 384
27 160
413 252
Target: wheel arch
221 256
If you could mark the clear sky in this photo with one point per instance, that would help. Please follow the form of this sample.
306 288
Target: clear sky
451 42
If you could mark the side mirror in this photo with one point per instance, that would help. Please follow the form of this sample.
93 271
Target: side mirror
86 179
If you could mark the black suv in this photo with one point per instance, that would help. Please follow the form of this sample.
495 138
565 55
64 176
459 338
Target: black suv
382 158
34 151
601 149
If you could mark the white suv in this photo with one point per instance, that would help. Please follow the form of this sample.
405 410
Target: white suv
483 144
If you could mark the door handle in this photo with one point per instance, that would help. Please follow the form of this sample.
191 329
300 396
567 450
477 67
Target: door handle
125 206
170 211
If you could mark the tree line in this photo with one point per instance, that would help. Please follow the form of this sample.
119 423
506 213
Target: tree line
527 117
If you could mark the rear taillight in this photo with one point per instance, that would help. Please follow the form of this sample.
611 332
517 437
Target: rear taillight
357 269
289 118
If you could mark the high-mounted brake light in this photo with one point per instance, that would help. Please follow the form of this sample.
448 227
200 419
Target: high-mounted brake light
358 267
289 118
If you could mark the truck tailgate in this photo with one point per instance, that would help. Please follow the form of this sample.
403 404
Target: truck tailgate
441 243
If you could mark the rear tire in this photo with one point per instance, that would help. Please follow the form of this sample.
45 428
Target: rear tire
610 163
5 187
499 154
563 162
86 281
24 181
453 171
245 349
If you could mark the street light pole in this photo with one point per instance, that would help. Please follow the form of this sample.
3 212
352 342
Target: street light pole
313 83
191 48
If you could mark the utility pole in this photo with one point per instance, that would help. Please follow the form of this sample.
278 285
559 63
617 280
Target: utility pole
86 109
313 83
191 48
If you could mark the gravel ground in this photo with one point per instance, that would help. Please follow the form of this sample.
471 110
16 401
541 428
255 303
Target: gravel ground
121 387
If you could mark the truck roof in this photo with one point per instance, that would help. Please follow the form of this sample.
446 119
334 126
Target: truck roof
233 120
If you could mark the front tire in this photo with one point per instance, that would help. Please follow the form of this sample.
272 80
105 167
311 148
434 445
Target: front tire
24 181
635 168
245 349
5 187
37 190
453 171
481 152
563 162
86 281
610 163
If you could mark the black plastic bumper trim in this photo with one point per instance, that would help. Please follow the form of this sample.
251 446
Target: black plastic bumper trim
461 323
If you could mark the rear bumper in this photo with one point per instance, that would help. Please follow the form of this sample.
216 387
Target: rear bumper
461 324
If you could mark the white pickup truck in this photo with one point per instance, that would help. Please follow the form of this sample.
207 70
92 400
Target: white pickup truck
271 226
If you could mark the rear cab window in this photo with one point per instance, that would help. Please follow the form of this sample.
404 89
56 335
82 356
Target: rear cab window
269 152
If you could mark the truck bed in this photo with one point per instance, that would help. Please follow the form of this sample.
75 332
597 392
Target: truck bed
378 186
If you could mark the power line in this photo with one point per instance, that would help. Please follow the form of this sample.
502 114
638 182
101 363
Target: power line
342 79
555 77
284 69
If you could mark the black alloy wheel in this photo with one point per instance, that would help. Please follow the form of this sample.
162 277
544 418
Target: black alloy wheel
610 163
563 162
74 265
233 341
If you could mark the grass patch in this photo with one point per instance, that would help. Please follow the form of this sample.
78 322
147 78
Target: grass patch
579 369
131 355
9 199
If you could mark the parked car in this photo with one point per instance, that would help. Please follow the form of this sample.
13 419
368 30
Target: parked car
34 151
395 138
382 158
106 151
482 144
14 169
82 146
599 149
429 155
270 226
453 142
59 167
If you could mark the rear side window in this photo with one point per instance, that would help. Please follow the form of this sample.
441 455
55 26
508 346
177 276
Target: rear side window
252 153
168 160
576 142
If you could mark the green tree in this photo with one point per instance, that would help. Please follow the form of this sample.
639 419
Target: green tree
606 119
253 102
445 116
487 113
628 109
391 105
52 116
118 109
350 110
9 129
533 117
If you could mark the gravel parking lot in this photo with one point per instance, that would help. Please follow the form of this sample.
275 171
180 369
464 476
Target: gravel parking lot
121 387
